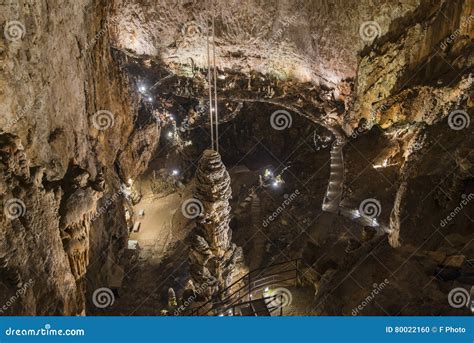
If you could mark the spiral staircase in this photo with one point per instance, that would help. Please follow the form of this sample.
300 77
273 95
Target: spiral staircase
333 197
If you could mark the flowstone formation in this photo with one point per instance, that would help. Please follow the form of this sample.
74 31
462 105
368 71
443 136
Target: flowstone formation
213 256
78 209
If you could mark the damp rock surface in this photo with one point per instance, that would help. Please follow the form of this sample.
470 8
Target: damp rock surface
87 89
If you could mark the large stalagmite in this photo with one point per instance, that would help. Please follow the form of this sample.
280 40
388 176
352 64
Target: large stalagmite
213 256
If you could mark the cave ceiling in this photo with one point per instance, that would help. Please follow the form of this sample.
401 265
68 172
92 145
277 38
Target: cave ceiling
308 41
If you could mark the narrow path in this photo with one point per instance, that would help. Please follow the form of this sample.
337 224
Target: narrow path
155 233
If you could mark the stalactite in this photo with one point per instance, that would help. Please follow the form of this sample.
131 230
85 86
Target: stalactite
77 212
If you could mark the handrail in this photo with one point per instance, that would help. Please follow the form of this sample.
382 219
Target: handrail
255 287
266 276
273 265
257 269
270 309
251 286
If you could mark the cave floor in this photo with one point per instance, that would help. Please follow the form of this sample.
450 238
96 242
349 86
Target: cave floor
160 261
156 234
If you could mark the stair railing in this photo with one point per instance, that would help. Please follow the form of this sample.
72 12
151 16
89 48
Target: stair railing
246 285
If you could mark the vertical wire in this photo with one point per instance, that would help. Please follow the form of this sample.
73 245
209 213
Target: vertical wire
215 74
209 81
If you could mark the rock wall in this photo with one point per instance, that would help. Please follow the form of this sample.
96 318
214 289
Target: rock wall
417 77
285 38
409 74
410 148
67 116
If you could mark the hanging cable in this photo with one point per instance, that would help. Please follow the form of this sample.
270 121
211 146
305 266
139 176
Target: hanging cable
209 81
215 75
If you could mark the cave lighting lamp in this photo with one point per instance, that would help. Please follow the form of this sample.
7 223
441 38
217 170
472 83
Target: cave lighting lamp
267 292
277 182
382 165
175 172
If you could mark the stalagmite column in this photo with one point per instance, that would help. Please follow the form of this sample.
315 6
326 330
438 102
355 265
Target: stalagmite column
213 256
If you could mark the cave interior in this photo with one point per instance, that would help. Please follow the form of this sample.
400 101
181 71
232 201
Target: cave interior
236 158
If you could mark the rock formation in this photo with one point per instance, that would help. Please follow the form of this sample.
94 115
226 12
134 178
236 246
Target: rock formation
76 214
213 256
53 148
395 78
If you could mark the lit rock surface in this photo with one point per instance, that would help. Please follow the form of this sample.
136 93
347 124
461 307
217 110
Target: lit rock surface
213 255
391 97
307 41
56 75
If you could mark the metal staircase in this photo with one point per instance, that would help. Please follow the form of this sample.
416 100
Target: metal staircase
332 201
246 296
